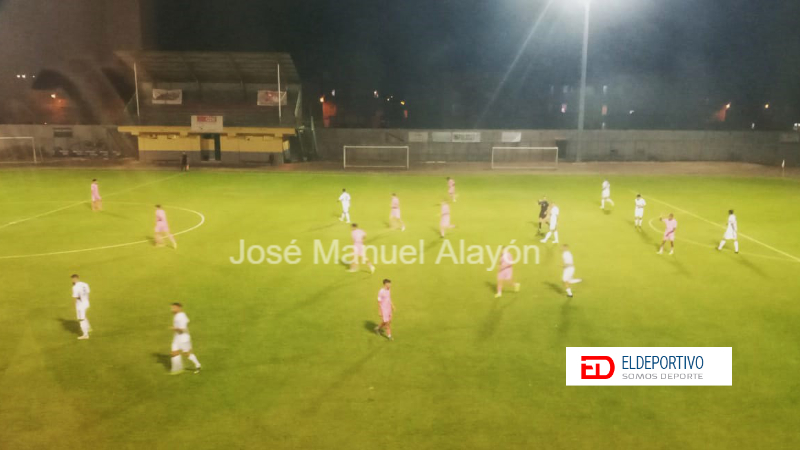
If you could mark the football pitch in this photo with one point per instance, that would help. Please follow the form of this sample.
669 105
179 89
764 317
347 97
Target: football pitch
289 356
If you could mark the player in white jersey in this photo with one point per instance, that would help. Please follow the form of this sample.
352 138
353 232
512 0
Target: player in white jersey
554 212
638 212
80 292
181 341
568 276
606 195
731 233
344 199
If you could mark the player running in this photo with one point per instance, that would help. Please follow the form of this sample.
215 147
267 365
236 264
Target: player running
638 212
505 273
344 199
386 309
359 252
80 292
394 215
162 228
731 233
181 341
97 201
554 212
606 195
451 189
543 206
444 220
568 276
669 233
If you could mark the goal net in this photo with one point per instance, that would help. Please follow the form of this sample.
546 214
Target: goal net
19 149
524 158
384 157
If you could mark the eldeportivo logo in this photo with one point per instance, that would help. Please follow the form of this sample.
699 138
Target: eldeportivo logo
649 366
586 367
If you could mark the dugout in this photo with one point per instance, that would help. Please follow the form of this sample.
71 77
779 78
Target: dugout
218 107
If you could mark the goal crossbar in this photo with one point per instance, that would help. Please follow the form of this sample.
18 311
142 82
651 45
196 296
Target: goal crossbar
373 155
541 158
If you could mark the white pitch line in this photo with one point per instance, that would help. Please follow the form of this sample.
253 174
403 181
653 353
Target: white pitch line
796 259
108 247
72 205
773 258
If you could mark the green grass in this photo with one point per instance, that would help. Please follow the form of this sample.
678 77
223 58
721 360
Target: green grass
288 359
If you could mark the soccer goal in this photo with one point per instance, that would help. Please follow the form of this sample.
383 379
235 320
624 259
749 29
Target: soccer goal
525 158
371 157
19 150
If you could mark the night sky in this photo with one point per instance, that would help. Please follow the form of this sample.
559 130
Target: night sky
750 49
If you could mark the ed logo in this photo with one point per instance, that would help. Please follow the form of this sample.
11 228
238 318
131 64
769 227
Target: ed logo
596 368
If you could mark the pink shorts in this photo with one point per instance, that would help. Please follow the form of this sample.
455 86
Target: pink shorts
669 237
162 228
505 274
386 313
445 222
451 191
96 198
395 213
358 250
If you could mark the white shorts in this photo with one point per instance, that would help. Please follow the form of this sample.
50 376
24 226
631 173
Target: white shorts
606 194
182 342
569 274
638 213
553 224
730 235
80 309
345 208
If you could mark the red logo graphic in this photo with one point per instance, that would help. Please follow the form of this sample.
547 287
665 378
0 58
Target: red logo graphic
596 368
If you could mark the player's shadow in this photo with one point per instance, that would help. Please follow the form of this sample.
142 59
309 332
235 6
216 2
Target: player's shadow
679 266
150 240
554 287
370 326
164 359
565 320
70 326
493 319
746 263
320 228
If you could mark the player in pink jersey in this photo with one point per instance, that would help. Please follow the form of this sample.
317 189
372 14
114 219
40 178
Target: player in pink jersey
162 228
505 272
451 188
359 252
669 233
394 215
444 221
386 309
97 201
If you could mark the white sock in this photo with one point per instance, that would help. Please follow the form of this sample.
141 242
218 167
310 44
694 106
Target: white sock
611 201
347 215
177 363
555 234
569 291
547 236
193 359
736 246
85 327
721 244
603 203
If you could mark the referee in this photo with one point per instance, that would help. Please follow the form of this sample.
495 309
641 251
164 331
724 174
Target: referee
543 205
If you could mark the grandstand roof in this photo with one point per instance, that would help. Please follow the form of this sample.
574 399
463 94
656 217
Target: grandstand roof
211 67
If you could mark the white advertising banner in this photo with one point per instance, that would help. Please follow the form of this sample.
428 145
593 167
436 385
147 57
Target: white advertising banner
441 136
649 366
512 136
167 96
207 124
466 137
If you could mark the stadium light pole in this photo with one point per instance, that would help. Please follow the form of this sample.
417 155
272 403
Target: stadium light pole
584 63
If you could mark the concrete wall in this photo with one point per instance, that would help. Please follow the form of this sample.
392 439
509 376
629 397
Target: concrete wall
54 141
755 147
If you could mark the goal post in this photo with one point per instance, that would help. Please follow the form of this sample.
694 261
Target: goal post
375 157
19 150
525 158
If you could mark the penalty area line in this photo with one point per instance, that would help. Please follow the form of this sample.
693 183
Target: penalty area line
751 239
